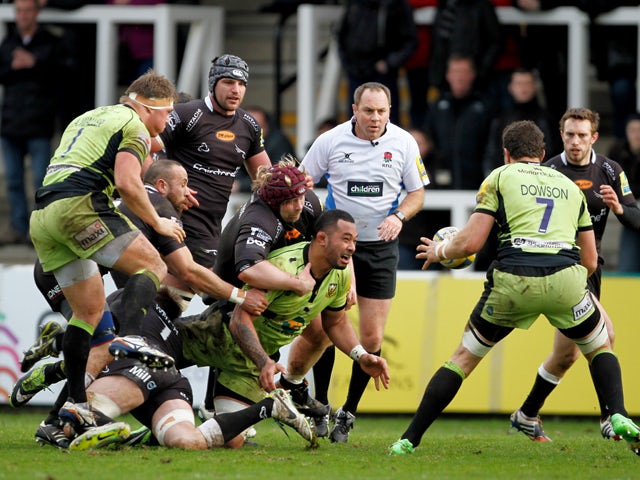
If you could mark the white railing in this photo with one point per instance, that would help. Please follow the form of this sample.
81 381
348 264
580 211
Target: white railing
312 18
204 42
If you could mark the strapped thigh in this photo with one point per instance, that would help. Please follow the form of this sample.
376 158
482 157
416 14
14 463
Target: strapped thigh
480 336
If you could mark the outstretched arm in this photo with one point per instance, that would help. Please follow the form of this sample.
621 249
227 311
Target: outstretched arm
343 336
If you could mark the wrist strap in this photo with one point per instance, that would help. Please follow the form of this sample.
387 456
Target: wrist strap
235 296
357 352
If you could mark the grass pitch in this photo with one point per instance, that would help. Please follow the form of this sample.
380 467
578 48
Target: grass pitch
454 448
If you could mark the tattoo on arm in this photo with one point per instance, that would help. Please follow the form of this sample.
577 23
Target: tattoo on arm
248 342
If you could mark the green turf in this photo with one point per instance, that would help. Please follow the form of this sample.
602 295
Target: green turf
455 447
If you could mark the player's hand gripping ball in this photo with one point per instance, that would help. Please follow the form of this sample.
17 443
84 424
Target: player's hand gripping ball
446 234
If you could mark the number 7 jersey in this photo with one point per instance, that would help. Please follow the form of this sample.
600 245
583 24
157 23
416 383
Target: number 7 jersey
539 212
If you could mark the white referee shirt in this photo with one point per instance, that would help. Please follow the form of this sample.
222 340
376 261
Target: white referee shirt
366 178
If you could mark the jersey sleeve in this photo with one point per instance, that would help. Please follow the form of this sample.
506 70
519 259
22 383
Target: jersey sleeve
584 221
316 161
622 187
136 140
171 132
256 236
487 197
257 141
414 175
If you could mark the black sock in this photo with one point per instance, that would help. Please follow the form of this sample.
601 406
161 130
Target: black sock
537 396
57 343
138 295
211 387
54 372
357 386
322 374
233 424
607 380
75 348
442 388
52 418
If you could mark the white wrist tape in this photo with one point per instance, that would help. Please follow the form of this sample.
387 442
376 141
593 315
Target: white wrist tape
357 352
235 297
441 250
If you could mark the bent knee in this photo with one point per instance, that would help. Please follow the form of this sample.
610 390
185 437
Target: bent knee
185 442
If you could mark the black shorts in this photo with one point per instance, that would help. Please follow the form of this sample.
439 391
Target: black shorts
375 265
594 282
156 386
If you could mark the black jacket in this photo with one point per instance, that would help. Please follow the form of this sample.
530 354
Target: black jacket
30 95
522 111
459 129
373 30
476 34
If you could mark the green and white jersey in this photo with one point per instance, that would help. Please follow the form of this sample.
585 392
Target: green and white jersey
85 159
539 212
206 339
288 314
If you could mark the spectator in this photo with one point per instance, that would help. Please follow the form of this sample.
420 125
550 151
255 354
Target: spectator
508 60
613 51
423 222
77 92
464 27
136 44
417 69
375 38
324 126
276 144
523 90
627 154
458 123
28 58
544 49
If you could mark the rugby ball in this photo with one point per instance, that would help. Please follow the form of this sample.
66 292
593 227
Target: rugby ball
446 234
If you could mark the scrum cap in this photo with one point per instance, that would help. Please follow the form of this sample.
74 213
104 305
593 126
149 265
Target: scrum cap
286 182
228 66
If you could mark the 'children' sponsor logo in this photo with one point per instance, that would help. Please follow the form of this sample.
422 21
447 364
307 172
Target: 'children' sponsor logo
364 189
